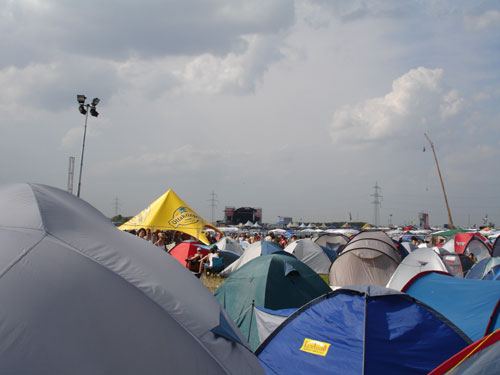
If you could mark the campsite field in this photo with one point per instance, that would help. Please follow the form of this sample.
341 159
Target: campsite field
213 282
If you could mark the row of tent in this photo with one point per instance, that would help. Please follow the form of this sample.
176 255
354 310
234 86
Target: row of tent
319 258
79 296
435 316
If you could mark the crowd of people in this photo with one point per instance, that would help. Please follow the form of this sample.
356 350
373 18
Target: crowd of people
166 239
246 239
169 239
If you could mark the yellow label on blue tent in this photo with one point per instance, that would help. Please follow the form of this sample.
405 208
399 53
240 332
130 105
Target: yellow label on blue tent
315 347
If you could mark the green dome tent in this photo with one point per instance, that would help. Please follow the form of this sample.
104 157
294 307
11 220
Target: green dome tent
276 282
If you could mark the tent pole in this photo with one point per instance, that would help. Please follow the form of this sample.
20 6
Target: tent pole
251 316
441 179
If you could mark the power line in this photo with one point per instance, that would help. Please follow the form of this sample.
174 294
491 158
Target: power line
213 204
116 205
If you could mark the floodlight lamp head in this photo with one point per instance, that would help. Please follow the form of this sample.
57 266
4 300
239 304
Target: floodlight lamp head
93 112
81 98
95 101
82 109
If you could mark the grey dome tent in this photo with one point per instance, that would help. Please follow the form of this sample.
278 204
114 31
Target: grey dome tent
334 241
370 258
82 297
311 254
227 243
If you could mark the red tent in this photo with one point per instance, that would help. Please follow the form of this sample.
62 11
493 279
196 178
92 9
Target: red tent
185 250
473 353
462 239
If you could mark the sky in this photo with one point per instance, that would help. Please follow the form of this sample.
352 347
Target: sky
296 107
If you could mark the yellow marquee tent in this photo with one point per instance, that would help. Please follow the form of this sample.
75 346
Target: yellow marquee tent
169 212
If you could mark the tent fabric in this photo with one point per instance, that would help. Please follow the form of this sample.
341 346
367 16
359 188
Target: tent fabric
370 258
228 257
311 254
457 264
449 245
170 212
185 250
331 254
481 357
363 330
469 304
276 281
419 260
478 248
227 243
268 320
493 273
253 251
81 297
496 248
462 240
332 241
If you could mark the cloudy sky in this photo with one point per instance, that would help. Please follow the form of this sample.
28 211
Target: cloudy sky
297 107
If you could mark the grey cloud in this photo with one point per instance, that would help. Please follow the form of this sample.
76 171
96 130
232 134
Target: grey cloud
358 9
119 30
54 86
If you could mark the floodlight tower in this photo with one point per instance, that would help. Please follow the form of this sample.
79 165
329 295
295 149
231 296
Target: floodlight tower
84 110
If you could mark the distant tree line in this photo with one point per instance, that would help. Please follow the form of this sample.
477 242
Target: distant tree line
119 219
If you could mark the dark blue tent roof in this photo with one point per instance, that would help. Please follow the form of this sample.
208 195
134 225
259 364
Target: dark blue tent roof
472 305
331 254
496 248
361 330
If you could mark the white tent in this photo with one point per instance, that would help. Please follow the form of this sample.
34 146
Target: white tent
253 251
419 260
277 231
80 296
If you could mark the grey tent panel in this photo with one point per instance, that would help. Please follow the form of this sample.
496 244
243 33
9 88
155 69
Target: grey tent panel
82 297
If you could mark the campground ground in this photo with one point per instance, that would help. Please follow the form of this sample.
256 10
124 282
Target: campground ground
213 282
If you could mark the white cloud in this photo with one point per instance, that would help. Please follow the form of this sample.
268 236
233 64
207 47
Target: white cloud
234 72
418 100
484 20
452 104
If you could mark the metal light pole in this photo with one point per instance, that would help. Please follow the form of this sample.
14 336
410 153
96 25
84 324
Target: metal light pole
84 110
441 179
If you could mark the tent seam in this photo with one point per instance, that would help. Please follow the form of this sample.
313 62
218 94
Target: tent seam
20 257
